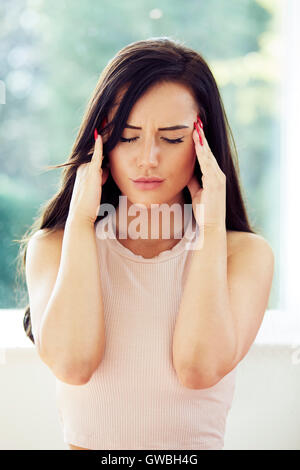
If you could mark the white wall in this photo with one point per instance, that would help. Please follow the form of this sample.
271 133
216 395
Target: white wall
265 412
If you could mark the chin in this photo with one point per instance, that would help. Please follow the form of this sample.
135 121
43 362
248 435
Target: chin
147 200
146 204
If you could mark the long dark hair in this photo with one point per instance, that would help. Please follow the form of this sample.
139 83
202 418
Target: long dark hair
135 68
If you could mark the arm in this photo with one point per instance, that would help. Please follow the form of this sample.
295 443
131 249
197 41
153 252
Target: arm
210 355
204 341
70 321
224 298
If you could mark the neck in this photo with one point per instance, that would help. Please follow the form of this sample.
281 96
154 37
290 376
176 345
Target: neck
151 226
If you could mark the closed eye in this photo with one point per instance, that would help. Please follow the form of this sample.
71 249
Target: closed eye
174 141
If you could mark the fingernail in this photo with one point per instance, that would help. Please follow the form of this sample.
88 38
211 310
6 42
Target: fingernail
200 122
198 132
95 134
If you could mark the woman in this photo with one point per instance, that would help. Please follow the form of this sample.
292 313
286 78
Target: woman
144 333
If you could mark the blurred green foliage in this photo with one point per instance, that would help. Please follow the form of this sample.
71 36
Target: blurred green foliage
51 55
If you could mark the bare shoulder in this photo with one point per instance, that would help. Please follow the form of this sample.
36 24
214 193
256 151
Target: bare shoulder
237 241
46 237
45 243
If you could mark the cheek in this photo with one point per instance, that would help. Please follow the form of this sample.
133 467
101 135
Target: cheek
115 159
119 167
187 159
185 166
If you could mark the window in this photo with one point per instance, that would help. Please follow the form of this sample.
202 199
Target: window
52 54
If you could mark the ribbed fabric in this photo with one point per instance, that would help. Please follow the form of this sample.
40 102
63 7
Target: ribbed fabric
134 399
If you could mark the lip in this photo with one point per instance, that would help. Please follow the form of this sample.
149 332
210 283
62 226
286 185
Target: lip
147 185
148 179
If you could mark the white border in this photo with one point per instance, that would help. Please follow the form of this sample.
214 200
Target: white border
290 164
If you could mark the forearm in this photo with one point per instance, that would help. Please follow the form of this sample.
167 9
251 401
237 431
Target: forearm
204 337
72 332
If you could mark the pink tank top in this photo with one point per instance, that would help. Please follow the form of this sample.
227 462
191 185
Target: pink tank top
134 399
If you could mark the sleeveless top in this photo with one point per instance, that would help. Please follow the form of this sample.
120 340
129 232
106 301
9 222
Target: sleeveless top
134 399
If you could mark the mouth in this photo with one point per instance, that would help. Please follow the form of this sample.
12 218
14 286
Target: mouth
153 184
147 179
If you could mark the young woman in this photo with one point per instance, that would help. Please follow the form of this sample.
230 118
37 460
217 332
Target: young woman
144 333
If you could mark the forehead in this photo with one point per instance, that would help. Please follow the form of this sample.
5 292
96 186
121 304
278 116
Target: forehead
162 98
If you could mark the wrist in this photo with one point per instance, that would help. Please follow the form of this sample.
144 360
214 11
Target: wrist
215 228
79 222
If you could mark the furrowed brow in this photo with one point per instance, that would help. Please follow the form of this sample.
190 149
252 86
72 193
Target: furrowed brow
172 128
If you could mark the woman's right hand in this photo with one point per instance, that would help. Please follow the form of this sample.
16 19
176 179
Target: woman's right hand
87 190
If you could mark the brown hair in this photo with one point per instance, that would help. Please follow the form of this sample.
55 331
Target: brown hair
138 66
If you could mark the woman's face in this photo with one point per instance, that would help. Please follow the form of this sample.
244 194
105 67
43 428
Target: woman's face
151 153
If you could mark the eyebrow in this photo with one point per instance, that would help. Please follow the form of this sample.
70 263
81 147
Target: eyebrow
172 128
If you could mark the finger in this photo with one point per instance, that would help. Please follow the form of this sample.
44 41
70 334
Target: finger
98 153
200 151
204 140
201 137
210 158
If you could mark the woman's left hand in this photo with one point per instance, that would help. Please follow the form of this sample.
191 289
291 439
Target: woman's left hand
213 193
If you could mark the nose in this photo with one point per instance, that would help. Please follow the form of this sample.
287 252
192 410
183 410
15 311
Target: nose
148 156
